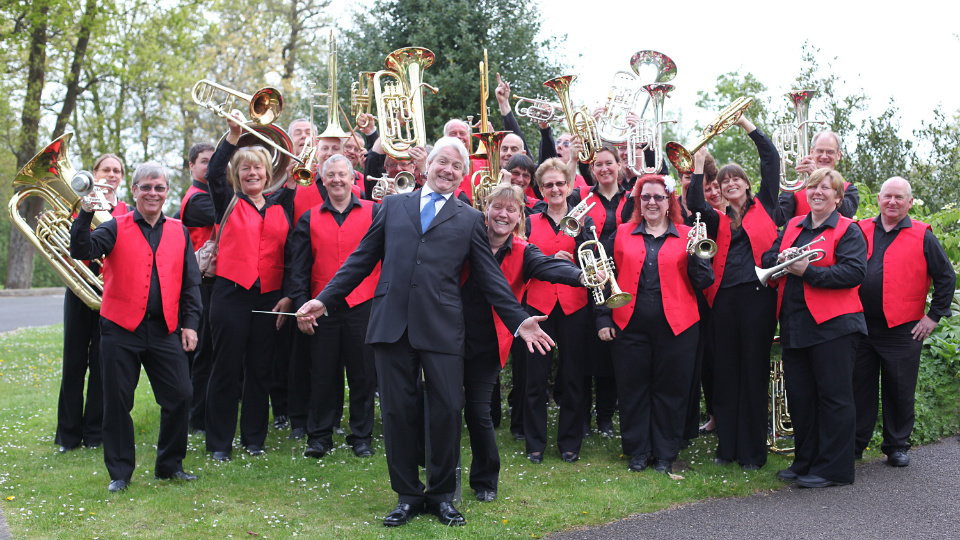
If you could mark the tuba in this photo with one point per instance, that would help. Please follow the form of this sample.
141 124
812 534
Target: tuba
539 109
45 176
403 182
571 223
792 141
483 181
592 264
644 136
682 158
579 121
612 123
780 270
400 103
697 242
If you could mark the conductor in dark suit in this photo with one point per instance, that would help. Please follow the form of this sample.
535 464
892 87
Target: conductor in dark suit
424 239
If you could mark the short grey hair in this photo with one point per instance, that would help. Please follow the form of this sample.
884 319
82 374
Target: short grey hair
452 122
333 160
444 142
148 171
297 121
813 142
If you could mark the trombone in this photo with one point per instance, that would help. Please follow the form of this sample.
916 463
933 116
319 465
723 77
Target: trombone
571 223
682 158
780 270
592 265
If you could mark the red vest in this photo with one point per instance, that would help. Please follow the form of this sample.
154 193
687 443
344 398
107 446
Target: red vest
679 300
252 247
531 197
905 277
762 232
599 213
542 295
802 207
824 304
198 235
512 267
120 209
331 244
127 271
307 197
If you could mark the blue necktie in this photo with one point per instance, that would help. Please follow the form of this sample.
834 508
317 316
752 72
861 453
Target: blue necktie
429 211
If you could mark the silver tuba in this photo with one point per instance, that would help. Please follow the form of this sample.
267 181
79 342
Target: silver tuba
792 140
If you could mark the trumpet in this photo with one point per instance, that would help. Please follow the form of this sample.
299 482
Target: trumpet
697 242
780 270
484 180
92 192
360 96
682 158
571 223
642 136
792 141
400 103
612 123
592 265
579 121
539 109
403 182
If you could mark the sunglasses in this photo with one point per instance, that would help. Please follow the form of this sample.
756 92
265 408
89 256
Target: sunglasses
659 198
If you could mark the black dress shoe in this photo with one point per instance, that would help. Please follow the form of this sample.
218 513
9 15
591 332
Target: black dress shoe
535 457
297 433
486 496
639 462
787 475
401 515
570 457
280 422
179 475
117 485
721 461
898 459
65 449
255 450
448 514
518 436
221 456
316 449
663 466
362 450
813 481
605 427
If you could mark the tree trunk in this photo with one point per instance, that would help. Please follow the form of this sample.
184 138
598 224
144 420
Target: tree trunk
73 78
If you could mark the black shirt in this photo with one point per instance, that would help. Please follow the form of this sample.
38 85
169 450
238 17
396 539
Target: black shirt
609 205
200 212
848 206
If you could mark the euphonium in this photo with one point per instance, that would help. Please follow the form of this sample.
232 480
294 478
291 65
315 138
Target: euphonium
792 140
333 128
780 426
780 270
682 158
400 103
579 121
592 265
484 180
539 109
44 176
652 67
697 242
403 182
642 136
571 223
612 123
360 96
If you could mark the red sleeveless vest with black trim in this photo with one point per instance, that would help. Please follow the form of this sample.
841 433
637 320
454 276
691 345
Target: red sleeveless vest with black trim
599 213
905 277
307 197
679 300
824 304
801 206
252 246
127 270
331 244
541 295
198 235
762 232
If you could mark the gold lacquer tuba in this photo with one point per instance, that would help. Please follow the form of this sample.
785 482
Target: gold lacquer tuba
483 181
403 182
45 176
579 121
682 158
400 103
792 140
591 265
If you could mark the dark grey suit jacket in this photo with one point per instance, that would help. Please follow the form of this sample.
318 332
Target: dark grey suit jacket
419 287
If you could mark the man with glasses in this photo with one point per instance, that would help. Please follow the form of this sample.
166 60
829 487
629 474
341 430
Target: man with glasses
826 153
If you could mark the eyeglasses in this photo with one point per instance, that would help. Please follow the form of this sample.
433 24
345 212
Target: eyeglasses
552 185
159 188
565 144
659 198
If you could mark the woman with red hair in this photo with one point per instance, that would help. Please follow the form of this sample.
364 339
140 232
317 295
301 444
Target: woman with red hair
655 335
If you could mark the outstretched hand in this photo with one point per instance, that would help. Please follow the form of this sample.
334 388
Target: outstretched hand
307 315
531 332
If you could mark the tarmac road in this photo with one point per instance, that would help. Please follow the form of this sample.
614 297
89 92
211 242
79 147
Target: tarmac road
31 310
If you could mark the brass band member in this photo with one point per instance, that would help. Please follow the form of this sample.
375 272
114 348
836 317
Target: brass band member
654 337
821 321
825 153
903 257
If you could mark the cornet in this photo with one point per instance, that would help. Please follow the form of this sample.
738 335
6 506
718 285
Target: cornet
361 93
539 110
592 265
697 242
579 121
780 270
571 223
682 158
403 182
792 141
92 192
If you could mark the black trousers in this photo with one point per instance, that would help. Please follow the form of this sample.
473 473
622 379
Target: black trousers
654 369
702 375
78 423
819 381
480 380
398 369
516 398
337 345
288 339
889 357
570 334
242 342
600 384
743 323
161 355
201 359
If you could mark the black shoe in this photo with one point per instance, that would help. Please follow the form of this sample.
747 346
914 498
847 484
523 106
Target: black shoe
255 450
605 427
721 461
535 457
297 433
401 515
811 481
362 450
748 467
316 449
639 462
65 449
787 475
858 455
519 436
448 514
281 422
663 466
486 496
898 459
92 446
569 457
221 456
179 475
117 485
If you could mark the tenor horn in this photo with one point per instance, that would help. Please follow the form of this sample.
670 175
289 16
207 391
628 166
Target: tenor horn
682 158
592 265
400 102
484 180
579 121
792 140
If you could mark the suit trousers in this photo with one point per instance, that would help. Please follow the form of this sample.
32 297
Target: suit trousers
398 369
570 334
743 322
243 342
890 358
79 423
702 375
201 360
161 355
600 384
819 381
338 344
480 373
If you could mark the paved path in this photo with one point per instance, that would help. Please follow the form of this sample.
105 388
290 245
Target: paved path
38 310
919 501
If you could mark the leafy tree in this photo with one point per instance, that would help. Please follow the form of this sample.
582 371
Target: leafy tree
935 178
880 152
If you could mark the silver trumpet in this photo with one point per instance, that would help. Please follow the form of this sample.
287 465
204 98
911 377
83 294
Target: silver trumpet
92 192
539 109
697 242
403 182
571 223
780 270
592 265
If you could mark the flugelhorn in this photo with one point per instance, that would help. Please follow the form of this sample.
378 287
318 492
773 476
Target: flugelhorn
571 223
697 241
403 182
592 265
612 123
780 270
579 121
682 158
400 103
539 109
484 180
649 136
333 128
792 140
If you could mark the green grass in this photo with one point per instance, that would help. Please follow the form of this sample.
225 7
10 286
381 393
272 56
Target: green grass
44 494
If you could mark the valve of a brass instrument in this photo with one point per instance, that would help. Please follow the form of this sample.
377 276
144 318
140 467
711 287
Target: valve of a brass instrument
682 158
612 123
790 257
94 194
303 173
571 223
697 242
792 140
361 94
580 122
403 182
539 110
595 265
400 101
